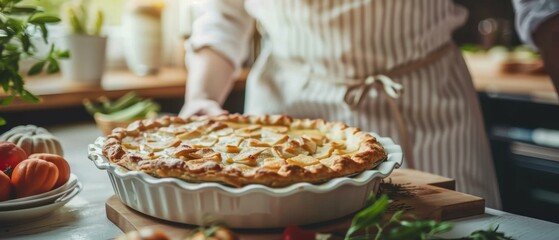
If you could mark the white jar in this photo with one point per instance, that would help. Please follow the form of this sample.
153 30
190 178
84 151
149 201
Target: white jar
143 36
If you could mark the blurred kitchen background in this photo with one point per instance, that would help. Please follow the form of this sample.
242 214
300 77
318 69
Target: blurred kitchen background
145 54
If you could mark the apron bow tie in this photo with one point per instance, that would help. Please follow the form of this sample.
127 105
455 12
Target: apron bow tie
357 92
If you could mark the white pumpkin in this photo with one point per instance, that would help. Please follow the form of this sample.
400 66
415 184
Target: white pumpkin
33 139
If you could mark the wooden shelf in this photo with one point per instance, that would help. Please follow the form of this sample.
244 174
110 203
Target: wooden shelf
56 92
170 83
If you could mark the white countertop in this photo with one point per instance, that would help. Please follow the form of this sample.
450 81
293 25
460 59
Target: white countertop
84 216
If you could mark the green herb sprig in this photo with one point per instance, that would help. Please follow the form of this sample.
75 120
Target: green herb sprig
397 229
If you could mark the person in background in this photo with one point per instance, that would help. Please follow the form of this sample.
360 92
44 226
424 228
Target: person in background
388 66
537 22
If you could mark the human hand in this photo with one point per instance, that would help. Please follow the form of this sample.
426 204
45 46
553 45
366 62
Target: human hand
201 107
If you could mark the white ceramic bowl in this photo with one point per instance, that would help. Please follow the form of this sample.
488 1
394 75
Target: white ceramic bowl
251 206
13 217
40 199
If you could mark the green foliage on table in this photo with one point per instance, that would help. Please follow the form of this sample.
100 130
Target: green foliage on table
17 24
471 48
518 53
130 106
397 229
83 19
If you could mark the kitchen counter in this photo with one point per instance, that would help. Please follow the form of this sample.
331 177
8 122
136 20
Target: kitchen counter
490 79
84 216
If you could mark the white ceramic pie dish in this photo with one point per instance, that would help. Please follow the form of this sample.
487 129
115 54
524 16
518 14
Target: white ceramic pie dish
251 206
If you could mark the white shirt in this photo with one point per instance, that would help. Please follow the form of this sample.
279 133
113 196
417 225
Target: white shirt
328 34
530 14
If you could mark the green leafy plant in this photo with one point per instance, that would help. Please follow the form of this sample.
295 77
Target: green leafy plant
128 107
80 20
18 23
397 229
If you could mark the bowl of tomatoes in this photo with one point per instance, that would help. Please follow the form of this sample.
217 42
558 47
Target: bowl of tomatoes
33 185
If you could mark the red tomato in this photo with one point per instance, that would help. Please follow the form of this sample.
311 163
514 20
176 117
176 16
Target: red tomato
61 164
10 155
34 176
5 187
296 233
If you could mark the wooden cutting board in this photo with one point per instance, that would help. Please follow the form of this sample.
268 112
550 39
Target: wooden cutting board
422 194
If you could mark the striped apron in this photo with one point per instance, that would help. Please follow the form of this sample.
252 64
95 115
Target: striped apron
310 46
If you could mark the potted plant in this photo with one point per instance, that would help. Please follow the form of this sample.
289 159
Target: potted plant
85 42
18 23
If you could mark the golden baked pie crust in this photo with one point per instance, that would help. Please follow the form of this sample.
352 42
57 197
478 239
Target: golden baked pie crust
237 150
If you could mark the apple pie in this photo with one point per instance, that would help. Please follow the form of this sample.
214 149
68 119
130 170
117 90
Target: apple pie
238 150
